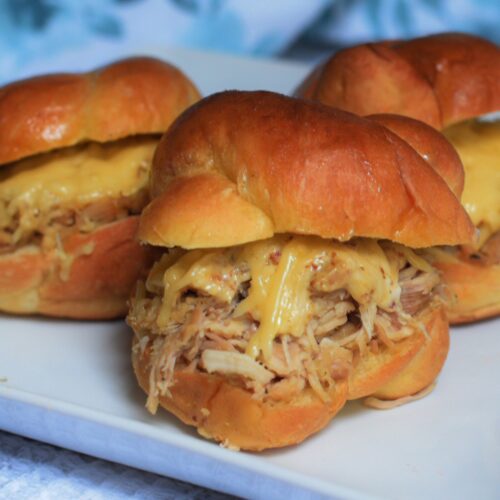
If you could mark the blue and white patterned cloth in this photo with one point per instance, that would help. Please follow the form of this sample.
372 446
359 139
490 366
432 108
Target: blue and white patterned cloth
31 470
32 32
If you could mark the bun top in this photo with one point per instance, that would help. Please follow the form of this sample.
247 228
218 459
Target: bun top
439 79
436 150
133 96
242 166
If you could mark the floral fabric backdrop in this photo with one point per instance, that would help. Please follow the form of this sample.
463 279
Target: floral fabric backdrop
33 32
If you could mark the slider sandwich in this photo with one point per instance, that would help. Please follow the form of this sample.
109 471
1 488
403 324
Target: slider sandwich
288 282
75 156
450 82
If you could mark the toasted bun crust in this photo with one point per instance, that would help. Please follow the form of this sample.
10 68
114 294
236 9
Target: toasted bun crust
439 79
90 282
132 96
403 367
228 414
293 166
434 148
476 287
425 366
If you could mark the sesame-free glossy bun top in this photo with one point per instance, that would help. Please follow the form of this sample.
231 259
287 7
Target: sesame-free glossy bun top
439 79
129 97
242 166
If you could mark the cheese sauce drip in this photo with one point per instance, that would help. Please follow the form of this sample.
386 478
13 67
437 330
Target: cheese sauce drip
280 271
478 144
74 177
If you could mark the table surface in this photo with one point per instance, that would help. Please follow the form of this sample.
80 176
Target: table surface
29 469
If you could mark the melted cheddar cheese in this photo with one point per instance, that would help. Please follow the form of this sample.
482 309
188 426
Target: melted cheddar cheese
478 144
197 269
280 271
77 175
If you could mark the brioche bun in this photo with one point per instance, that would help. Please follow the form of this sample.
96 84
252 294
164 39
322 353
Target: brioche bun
89 281
434 148
423 367
475 287
341 176
299 168
439 79
130 97
227 413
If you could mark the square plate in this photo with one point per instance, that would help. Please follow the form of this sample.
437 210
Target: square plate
70 384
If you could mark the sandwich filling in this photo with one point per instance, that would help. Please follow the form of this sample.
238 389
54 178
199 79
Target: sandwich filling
478 145
76 189
280 315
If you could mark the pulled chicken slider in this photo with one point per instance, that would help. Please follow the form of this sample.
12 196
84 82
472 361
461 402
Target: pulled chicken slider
451 82
75 156
291 277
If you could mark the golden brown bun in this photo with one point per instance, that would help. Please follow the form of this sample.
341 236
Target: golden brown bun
473 279
434 148
403 367
132 96
171 215
83 285
476 288
236 419
293 166
438 79
425 366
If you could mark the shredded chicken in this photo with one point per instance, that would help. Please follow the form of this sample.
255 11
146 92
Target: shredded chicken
235 363
388 404
416 288
205 333
45 229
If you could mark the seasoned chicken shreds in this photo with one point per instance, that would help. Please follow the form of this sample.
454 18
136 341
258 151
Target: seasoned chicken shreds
49 227
416 289
222 317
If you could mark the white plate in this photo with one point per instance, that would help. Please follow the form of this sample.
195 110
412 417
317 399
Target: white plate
70 384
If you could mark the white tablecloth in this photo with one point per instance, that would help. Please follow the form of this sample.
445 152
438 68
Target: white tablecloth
30 470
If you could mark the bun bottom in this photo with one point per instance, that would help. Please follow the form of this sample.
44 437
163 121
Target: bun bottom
423 369
408 367
476 287
228 414
92 281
